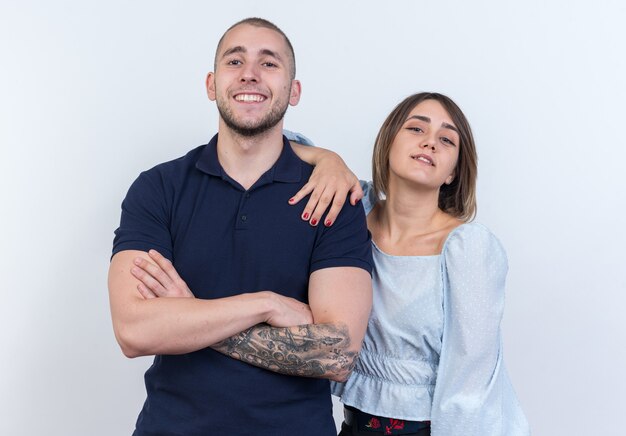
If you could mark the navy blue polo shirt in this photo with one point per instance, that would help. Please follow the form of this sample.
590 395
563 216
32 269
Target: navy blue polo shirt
224 241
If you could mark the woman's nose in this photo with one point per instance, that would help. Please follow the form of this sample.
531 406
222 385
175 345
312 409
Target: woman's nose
429 144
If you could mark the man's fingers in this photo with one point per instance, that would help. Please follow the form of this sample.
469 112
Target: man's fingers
145 292
148 281
290 312
165 264
155 271
162 279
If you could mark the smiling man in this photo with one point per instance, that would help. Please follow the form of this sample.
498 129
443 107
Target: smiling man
270 308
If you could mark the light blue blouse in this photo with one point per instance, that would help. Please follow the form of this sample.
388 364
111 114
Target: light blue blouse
433 347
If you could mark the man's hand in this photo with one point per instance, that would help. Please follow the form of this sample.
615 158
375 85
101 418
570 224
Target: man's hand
159 279
331 181
162 280
287 311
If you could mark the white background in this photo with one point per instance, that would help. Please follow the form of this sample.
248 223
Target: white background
91 93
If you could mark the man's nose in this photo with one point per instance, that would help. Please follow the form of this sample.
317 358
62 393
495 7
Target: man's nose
249 73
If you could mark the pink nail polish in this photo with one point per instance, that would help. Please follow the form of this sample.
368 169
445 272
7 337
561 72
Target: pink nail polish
305 216
313 222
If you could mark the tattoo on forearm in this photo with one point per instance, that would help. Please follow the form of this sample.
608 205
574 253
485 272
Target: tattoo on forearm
312 350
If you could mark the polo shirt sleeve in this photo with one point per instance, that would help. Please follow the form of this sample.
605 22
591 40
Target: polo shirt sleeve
346 243
144 224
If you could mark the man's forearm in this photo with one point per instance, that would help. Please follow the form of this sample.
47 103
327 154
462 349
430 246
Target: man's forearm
311 350
182 325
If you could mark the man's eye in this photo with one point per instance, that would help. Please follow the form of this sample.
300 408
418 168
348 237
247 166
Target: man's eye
269 64
234 62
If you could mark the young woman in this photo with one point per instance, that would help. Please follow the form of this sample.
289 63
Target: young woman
431 362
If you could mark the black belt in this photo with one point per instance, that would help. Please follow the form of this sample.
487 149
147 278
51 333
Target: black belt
362 421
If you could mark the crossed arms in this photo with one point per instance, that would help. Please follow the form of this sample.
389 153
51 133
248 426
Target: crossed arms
154 312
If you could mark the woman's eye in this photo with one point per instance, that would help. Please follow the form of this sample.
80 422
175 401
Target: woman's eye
447 141
415 129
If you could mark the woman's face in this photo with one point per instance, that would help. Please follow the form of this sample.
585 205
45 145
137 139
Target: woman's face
426 149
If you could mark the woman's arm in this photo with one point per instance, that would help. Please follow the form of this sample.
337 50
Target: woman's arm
473 395
331 181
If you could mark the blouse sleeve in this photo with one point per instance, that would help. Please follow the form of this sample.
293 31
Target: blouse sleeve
369 197
297 137
472 394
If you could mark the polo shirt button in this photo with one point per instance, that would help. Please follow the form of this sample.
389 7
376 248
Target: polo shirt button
247 195
243 217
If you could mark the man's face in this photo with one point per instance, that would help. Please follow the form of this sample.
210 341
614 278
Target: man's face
252 82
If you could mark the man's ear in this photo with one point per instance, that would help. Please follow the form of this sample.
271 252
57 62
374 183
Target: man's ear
296 91
210 86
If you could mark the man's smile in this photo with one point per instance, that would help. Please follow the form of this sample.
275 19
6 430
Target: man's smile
250 98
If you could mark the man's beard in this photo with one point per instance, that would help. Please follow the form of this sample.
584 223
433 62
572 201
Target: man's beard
273 117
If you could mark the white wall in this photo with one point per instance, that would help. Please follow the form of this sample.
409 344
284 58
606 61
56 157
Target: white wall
91 93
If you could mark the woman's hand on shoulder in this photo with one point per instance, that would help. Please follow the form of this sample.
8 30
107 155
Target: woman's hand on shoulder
329 186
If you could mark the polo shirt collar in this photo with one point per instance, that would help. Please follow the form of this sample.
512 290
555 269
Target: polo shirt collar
288 167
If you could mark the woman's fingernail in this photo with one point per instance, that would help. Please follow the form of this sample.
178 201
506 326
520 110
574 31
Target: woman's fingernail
313 222
291 200
305 216
328 223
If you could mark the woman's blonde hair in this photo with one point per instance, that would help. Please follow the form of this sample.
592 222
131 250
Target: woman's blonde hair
459 197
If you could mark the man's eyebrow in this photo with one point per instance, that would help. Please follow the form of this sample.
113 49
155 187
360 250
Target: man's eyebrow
268 52
236 49
428 120
242 49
